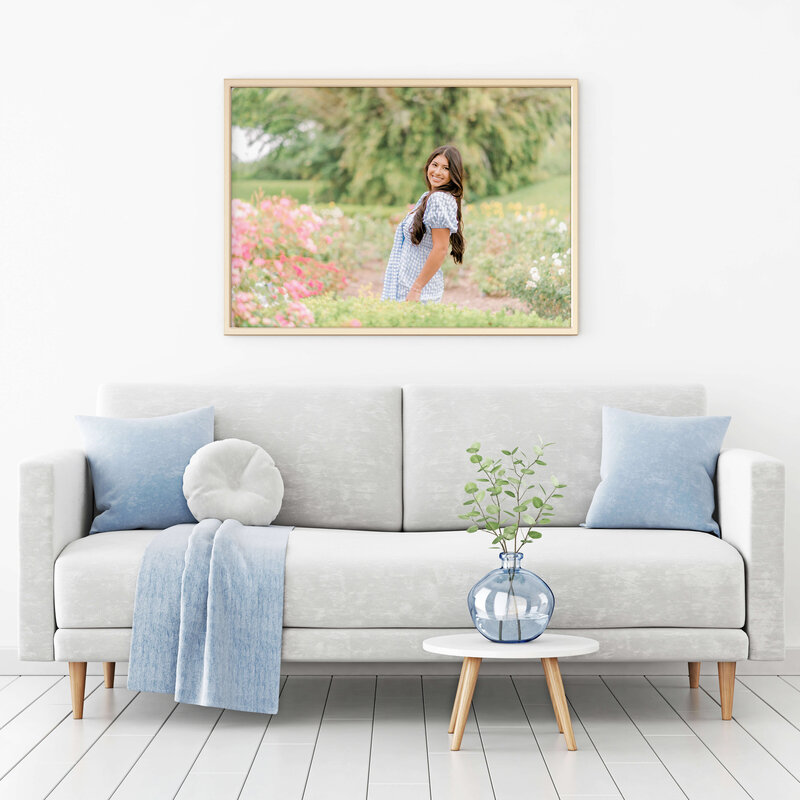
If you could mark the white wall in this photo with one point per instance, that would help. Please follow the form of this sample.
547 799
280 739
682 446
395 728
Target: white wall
111 204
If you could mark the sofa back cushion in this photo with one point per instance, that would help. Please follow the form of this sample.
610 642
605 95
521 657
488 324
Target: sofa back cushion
441 422
339 449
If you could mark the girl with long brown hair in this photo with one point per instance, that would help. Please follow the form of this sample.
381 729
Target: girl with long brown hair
433 226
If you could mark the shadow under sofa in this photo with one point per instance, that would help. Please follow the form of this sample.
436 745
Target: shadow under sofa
378 559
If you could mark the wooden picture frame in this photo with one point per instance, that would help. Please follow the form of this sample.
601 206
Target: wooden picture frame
319 177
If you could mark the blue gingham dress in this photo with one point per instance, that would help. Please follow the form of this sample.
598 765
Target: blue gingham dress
407 259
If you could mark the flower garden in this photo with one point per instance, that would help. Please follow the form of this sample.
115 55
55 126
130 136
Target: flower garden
294 265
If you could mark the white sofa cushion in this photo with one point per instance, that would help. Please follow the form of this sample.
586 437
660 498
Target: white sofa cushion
338 448
365 579
441 422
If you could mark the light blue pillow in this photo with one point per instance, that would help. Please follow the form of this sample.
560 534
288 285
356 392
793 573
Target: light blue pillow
137 467
657 472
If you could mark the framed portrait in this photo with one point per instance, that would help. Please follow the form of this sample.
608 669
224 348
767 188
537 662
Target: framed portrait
358 207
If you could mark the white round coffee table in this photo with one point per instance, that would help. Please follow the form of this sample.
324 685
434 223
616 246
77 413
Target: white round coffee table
473 648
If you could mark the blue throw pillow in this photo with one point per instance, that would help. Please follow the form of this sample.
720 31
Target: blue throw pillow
657 472
137 467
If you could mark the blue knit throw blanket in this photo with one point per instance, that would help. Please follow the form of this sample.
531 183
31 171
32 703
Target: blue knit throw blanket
208 615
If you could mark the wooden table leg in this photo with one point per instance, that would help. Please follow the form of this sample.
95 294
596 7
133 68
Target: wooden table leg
458 696
548 676
470 678
556 687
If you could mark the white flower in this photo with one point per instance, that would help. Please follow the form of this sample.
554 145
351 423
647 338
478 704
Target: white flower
530 285
534 272
562 227
557 262
556 255
561 271
542 259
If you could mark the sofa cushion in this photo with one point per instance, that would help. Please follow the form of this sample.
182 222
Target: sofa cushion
137 467
233 479
338 448
367 579
440 423
657 472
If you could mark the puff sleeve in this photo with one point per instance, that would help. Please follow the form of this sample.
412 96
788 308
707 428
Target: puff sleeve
441 212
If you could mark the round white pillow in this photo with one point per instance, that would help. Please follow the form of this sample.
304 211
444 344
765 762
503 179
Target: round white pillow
233 479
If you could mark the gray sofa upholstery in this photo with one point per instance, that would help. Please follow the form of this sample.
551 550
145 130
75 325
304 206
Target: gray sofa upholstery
379 559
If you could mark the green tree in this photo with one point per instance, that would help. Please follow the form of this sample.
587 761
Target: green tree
370 143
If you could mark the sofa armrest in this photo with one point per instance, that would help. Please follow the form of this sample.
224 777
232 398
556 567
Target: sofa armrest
55 508
751 503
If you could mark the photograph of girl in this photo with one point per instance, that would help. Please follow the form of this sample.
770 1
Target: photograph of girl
427 232
322 235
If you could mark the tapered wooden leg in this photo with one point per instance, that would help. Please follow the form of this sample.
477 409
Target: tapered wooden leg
108 673
556 686
472 667
727 680
458 696
694 674
548 676
77 686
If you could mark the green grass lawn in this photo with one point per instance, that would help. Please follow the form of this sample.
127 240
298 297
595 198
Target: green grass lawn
554 193
244 188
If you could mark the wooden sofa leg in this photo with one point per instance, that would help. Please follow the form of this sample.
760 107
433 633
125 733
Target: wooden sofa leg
108 673
727 680
694 674
77 686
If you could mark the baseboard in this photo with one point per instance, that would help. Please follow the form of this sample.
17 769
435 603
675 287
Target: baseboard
11 665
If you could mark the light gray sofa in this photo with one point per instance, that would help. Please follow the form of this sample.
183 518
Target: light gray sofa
379 559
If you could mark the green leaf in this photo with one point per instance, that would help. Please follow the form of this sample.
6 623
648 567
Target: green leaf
474 514
469 502
465 516
515 481
475 459
535 535
537 502
481 494
554 481
510 532
509 493
506 452
473 529
483 480
529 519
492 509
514 450
495 490
496 540
527 472
520 508
492 525
548 506
470 488
558 495
540 462
474 447
538 450
561 486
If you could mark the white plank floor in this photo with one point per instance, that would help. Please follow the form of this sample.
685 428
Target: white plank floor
385 738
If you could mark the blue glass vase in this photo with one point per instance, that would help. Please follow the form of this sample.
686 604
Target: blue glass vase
511 604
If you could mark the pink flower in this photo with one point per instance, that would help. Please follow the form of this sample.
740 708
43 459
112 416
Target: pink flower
354 323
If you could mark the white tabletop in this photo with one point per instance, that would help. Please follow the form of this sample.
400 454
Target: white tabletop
475 645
